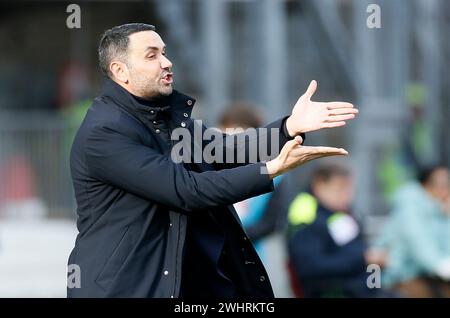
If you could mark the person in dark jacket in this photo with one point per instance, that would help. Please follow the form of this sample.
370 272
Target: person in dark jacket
150 226
328 256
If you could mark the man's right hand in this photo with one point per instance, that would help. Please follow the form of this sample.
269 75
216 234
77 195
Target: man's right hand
294 154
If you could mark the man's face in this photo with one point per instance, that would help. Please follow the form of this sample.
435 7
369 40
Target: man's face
439 185
336 193
150 71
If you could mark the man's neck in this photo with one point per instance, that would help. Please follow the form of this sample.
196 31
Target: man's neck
149 101
156 101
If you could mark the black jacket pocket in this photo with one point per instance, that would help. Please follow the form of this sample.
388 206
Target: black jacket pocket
116 260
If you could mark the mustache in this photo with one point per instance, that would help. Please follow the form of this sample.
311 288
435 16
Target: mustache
165 73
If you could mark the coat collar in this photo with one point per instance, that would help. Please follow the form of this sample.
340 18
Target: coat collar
175 102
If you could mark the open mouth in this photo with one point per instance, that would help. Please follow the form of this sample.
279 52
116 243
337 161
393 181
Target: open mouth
167 79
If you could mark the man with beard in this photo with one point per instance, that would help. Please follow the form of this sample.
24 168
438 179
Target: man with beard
150 227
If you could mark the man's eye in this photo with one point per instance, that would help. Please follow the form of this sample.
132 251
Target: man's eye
151 56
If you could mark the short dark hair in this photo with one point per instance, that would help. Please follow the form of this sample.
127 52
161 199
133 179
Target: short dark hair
114 43
325 172
241 114
425 173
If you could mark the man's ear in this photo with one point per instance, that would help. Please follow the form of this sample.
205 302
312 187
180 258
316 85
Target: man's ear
120 71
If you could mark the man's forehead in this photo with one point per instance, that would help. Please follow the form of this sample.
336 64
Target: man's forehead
146 39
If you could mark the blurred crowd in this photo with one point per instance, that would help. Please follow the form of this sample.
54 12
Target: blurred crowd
327 251
323 249
307 232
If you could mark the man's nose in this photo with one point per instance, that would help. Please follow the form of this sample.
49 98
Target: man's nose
165 63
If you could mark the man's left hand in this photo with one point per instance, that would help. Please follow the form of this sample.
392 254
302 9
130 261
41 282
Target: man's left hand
310 116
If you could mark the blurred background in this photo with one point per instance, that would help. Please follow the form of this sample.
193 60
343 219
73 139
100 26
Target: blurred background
263 53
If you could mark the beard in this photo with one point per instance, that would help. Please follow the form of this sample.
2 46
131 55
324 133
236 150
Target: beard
150 88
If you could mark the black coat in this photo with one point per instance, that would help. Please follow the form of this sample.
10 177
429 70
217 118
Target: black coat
149 227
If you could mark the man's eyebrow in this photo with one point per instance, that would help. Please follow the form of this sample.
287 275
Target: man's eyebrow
154 48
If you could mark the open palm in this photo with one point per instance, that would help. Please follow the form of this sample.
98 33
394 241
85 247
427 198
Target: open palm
310 116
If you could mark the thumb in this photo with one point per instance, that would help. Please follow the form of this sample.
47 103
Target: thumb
291 144
298 139
311 90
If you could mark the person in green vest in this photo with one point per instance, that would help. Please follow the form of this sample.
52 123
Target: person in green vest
328 256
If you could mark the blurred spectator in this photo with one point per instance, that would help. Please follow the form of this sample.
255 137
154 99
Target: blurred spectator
328 256
73 98
239 117
417 237
401 158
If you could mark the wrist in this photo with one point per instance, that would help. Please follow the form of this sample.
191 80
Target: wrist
288 127
273 168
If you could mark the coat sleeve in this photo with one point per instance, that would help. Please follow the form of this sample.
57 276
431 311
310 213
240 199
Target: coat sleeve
253 145
117 159
273 216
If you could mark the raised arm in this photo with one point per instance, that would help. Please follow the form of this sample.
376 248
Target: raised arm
264 144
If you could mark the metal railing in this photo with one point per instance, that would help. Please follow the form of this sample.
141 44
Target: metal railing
34 164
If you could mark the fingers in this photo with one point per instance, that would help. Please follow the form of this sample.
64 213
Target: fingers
335 105
302 154
313 153
327 150
333 124
291 144
294 142
311 90
298 139
337 118
344 111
